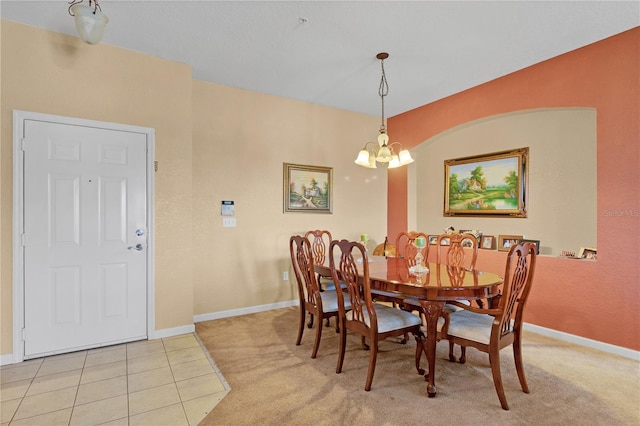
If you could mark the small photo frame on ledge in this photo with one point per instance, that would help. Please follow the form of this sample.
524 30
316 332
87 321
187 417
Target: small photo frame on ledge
506 241
588 253
488 242
536 242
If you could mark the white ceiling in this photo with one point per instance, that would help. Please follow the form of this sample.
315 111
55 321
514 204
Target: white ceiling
436 48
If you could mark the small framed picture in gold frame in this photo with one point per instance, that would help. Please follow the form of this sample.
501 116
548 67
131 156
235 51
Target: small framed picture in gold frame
506 241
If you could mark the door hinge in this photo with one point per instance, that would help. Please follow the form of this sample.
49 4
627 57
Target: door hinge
23 239
24 334
22 144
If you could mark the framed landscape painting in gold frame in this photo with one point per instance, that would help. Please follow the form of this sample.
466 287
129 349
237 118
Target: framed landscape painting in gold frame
487 185
307 189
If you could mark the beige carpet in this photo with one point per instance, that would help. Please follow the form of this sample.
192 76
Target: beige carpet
275 382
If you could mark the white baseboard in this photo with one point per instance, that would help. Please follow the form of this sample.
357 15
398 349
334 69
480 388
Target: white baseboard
244 311
170 332
6 359
583 341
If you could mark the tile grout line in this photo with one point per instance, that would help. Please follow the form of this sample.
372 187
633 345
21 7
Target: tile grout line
75 398
175 383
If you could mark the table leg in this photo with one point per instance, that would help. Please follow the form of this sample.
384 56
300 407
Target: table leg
432 310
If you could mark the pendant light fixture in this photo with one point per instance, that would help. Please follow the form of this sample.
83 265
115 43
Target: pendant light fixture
383 151
90 21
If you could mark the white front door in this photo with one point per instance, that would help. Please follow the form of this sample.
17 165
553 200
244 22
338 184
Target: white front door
85 237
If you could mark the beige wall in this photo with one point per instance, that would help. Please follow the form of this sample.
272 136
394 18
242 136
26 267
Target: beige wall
56 74
562 175
241 140
213 143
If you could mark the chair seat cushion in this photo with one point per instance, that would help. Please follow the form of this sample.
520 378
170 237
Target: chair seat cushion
329 285
389 318
471 326
330 301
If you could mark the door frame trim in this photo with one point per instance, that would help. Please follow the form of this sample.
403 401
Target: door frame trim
19 118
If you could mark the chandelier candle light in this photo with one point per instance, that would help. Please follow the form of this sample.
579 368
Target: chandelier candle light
383 152
364 239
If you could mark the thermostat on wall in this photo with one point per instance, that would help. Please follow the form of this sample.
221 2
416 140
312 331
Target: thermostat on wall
228 209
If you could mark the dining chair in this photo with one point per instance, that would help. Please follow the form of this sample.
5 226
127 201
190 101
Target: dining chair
404 248
456 250
312 300
372 321
492 329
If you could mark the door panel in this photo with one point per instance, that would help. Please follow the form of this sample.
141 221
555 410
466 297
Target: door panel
84 201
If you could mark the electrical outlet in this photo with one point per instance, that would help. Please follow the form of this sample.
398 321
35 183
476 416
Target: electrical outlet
228 222
285 276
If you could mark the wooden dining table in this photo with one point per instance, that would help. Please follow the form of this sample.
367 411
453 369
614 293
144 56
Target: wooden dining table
433 288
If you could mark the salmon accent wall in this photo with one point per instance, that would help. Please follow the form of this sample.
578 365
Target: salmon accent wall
595 300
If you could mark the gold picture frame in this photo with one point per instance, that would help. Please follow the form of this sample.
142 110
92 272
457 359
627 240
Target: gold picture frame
506 241
307 189
487 185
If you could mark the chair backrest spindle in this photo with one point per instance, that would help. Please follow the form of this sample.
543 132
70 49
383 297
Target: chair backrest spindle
320 240
458 247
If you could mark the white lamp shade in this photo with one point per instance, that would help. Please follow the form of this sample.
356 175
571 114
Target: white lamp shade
395 162
405 157
366 159
90 23
363 158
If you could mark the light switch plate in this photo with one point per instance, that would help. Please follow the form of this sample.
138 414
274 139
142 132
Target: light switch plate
228 222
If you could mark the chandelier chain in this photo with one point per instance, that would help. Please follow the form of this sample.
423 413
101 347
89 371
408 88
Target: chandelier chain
383 151
383 91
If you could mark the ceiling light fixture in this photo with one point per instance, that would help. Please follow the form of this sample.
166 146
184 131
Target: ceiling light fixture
383 152
90 21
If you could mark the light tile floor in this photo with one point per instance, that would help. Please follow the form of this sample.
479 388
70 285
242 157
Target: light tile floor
169 381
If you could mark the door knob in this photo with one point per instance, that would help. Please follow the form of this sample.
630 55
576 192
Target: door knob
139 232
137 247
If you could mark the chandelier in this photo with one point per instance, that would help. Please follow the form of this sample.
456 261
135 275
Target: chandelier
90 21
383 151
